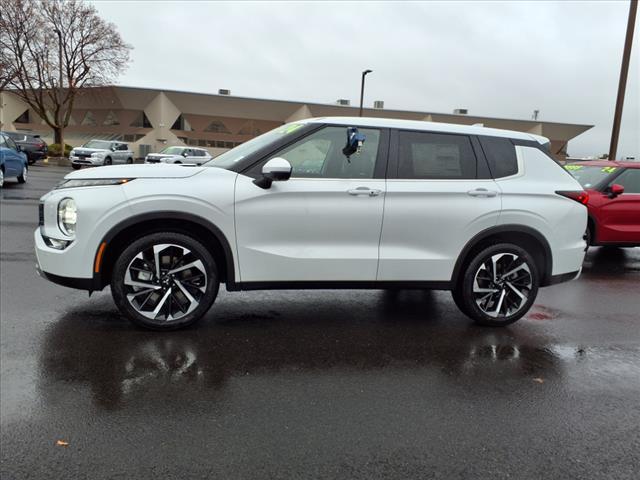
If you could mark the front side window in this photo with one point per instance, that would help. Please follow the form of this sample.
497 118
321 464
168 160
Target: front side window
630 180
2 141
11 144
319 155
435 156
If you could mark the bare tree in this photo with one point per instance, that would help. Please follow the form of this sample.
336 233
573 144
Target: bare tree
93 54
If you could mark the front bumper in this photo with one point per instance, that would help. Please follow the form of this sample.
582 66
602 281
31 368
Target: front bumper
77 283
86 160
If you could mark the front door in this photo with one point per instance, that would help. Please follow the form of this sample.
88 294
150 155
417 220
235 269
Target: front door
620 216
324 223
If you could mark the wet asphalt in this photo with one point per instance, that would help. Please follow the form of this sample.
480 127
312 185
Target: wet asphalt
316 384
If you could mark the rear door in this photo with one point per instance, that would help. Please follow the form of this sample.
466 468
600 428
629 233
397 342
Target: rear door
439 195
321 225
620 216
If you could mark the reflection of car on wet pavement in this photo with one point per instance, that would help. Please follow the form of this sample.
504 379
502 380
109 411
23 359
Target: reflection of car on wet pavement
187 363
484 213
614 201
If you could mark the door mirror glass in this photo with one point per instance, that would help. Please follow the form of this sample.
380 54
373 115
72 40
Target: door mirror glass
615 190
185 153
275 170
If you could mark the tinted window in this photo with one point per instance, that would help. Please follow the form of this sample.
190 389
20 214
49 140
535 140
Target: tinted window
501 155
630 180
319 155
435 156
19 137
2 142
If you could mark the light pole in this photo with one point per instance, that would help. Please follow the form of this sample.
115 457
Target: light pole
60 101
364 74
622 84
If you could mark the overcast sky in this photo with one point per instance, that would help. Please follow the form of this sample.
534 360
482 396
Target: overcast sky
501 59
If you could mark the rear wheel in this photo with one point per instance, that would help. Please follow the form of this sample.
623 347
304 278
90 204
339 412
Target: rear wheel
164 281
499 285
22 178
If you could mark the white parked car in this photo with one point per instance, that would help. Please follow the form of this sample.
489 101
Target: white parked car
179 155
323 203
100 152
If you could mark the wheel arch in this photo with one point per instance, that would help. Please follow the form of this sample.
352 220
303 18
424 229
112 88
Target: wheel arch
527 237
122 234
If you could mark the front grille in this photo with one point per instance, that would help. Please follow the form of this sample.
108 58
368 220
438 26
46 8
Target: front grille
41 214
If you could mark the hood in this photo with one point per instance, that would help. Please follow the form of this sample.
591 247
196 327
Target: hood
163 155
161 170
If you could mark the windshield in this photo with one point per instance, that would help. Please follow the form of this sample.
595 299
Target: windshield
101 144
589 175
228 159
173 151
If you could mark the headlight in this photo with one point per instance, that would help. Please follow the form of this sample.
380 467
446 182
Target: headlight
72 153
97 182
67 216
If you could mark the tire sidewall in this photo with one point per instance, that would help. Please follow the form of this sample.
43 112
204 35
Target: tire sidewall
118 289
472 309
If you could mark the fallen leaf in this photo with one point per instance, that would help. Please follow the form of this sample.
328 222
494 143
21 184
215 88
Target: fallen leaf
62 443
539 380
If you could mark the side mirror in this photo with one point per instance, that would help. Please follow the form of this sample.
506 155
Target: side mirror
185 154
615 190
113 149
18 148
275 170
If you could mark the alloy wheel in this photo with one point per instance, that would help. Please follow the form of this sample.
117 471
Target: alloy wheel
502 285
165 282
1 178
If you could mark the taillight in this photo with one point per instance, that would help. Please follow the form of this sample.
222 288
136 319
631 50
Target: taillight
579 196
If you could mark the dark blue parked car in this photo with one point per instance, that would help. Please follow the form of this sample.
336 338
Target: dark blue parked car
13 162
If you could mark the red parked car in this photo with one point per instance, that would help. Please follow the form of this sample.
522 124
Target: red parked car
614 201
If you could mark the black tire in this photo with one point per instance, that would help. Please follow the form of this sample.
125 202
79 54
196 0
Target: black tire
75 166
107 161
129 160
165 287
177 162
589 235
23 178
526 280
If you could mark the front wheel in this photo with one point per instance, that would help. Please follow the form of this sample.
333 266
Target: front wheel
22 178
164 281
499 285
75 166
107 161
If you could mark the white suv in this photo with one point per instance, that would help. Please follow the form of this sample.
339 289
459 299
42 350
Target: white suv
323 203
179 155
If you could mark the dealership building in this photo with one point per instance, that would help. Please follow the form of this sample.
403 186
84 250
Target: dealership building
150 119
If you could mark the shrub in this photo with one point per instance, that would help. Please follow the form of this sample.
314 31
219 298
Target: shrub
54 149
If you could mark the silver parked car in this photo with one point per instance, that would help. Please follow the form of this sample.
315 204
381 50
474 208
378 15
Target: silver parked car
180 155
100 152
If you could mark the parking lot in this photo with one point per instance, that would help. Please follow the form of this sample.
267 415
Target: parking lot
317 384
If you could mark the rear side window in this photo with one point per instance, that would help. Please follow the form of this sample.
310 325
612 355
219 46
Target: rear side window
435 156
501 155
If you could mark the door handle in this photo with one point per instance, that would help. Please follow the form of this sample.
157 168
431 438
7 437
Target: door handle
370 192
482 192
